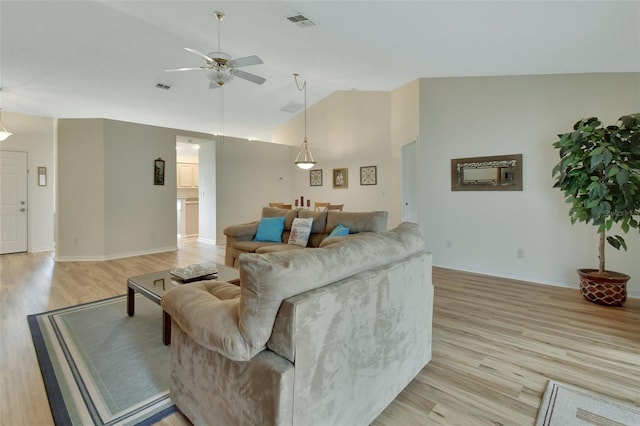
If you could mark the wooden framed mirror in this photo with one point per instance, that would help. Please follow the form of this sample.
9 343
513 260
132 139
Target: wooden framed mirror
494 173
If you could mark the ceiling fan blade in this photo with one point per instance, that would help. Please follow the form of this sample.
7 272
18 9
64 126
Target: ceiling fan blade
246 61
250 77
187 69
202 55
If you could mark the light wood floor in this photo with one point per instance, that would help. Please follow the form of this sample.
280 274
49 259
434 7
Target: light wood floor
496 342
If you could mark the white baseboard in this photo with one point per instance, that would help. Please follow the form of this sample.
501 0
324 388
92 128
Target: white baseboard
206 241
114 255
42 249
575 285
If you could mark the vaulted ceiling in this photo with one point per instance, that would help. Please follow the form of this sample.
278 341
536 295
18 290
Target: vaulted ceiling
69 59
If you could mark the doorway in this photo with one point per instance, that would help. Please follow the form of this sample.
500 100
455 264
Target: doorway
13 202
410 182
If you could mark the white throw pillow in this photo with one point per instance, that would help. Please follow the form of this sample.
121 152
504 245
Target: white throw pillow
300 231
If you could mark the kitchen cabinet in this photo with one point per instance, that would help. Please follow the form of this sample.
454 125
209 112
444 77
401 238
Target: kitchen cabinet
187 175
188 219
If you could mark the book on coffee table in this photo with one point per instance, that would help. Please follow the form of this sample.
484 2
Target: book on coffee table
195 272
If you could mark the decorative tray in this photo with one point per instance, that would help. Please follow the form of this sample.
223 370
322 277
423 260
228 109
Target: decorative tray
195 271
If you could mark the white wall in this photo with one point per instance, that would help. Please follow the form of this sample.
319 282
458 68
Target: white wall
207 192
249 174
348 129
35 136
469 117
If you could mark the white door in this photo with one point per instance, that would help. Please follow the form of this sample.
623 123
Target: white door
13 202
410 182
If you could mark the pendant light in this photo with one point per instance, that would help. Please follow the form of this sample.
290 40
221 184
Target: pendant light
304 159
4 133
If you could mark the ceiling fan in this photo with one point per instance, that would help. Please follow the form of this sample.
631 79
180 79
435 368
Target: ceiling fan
220 68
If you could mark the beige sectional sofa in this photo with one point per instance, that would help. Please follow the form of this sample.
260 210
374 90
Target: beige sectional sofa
240 237
321 336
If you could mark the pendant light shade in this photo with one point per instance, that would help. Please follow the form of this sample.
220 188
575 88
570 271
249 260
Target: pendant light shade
4 133
304 159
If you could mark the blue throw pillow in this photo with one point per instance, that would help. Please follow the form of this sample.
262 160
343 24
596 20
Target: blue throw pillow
339 231
270 229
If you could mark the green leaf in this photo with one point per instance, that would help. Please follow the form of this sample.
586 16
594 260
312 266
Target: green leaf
614 242
622 177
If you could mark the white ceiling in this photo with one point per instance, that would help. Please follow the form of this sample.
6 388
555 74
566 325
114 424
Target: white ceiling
103 58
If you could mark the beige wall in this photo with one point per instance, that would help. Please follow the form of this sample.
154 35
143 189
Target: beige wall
108 206
405 125
481 231
35 136
249 175
348 129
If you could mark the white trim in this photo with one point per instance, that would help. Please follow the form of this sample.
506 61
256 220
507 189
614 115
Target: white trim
206 241
114 256
575 285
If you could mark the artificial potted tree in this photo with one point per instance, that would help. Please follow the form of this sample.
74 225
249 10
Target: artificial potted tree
599 172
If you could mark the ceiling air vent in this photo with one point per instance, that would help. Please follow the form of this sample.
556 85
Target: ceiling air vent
301 21
292 107
163 86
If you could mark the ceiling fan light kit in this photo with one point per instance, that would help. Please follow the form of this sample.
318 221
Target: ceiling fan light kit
304 159
220 68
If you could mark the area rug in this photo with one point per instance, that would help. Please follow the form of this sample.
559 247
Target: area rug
564 405
102 367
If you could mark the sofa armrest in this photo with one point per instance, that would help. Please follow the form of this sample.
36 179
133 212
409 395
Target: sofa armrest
207 311
242 232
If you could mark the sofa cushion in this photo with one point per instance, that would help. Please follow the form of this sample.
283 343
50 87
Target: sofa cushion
289 215
339 231
208 312
277 248
358 221
319 220
251 246
300 231
270 229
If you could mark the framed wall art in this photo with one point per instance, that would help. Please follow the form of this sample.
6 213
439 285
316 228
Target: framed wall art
315 177
158 172
341 178
369 175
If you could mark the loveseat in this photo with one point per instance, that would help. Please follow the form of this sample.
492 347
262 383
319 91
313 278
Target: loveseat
321 336
240 238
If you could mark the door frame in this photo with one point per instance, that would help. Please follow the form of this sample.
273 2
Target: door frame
410 172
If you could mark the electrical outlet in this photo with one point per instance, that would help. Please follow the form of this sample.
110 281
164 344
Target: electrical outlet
520 253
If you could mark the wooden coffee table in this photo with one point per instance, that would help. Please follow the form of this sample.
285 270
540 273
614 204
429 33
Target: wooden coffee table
154 285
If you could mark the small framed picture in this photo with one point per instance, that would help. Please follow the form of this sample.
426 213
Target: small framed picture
341 178
158 172
369 175
315 177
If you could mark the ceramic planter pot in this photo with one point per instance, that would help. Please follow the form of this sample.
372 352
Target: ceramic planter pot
609 289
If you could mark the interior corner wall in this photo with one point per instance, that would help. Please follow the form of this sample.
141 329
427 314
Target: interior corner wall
35 136
347 129
482 231
249 174
405 126
108 205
